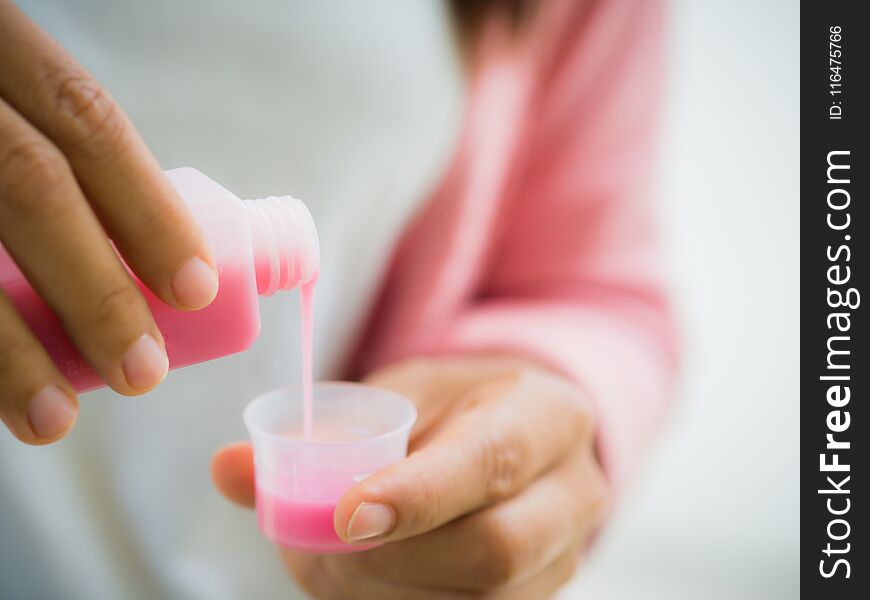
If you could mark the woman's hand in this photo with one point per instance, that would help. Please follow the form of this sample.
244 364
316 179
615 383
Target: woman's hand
497 498
73 173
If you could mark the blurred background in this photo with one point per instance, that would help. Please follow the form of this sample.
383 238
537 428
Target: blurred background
716 514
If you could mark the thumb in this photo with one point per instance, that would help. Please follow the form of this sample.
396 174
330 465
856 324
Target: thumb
508 433
232 471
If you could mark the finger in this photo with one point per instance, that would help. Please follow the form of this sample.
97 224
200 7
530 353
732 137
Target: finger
501 546
425 383
36 403
513 430
325 578
127 188
232 470
434 385
547 583
233 475
50 231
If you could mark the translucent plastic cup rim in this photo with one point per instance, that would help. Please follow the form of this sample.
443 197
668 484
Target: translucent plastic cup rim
405 422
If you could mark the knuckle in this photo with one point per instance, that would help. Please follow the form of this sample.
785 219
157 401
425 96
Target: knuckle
502 459
116 304
416 369
306 570
86 113
427 506
161 217
592 494
415 378
501 562
418 364
31 172
436 506
12 349
600 499
578 415
571 402
361 564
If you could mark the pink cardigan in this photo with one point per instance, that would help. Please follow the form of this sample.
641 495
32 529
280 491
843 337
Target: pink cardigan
540 239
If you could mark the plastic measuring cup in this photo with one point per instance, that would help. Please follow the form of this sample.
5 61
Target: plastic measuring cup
357 429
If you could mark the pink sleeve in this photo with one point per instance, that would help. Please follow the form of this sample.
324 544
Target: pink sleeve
573 278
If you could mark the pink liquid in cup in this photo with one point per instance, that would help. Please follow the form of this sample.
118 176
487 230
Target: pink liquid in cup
301 525
356 430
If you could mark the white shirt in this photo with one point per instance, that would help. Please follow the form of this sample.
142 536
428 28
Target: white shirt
352 107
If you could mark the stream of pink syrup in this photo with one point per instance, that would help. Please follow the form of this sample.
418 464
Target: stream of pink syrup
307 304
305 525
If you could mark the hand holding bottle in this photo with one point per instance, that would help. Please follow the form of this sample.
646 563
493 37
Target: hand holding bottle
74 173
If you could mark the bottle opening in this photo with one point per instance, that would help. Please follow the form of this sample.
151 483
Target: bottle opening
285 244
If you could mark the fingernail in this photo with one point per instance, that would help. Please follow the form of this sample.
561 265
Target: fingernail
50 412
195 284
145 364
370 520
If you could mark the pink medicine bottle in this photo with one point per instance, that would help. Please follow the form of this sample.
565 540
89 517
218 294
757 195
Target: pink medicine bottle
260 247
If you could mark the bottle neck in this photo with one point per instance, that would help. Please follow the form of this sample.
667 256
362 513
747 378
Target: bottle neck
285 244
